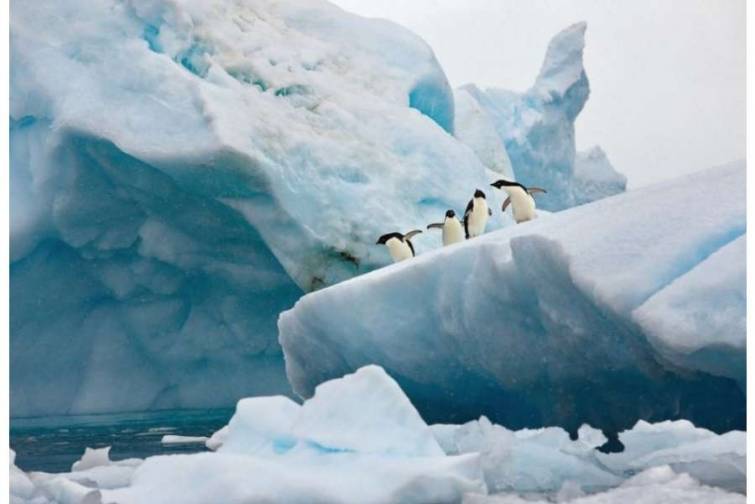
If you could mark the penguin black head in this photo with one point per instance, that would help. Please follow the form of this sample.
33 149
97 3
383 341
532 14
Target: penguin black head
479 194
388 236
450 214
501 183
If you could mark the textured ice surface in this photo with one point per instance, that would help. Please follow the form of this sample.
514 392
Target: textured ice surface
537 128
528 460
364 412
360 440
546 460
534 325
659 485
476 129
682 323
182 171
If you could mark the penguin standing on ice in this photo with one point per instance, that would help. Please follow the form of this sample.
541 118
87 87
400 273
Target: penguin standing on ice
452 230
520 198
399 245
476 215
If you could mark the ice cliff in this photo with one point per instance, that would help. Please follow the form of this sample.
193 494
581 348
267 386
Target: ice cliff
632 307
537 128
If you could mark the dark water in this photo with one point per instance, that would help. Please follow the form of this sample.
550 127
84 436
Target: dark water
52 444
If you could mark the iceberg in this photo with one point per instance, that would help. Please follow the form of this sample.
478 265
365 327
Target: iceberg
183 171
537 128
566 320
359 439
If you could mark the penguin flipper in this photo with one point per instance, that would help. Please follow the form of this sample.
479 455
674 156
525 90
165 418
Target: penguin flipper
506 204
490 212
533 190
470 206
437 225
410 234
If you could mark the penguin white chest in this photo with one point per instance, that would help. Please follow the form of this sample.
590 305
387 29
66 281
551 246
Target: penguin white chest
522 205
399 249
477 218
452 231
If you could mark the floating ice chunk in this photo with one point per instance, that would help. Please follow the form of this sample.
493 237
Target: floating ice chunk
718 460
21 487
217 439
358 439
174 439
261 425
92 457
659 485
334 478
541 460
65 491
366 412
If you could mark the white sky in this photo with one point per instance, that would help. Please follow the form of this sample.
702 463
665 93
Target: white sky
667 77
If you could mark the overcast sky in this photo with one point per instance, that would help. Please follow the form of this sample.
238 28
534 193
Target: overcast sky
667 77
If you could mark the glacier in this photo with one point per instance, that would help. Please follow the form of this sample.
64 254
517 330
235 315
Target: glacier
628 308
181 172
537 128
359 439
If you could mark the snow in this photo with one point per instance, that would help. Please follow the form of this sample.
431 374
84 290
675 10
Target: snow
534 325
186 169
337 449
537 128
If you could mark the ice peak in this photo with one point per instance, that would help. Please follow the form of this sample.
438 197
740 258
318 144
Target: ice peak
563 66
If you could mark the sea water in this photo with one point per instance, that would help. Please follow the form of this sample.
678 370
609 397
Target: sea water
54 443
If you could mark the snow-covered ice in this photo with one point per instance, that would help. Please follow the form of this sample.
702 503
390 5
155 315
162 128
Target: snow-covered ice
559 321
537 128
361 440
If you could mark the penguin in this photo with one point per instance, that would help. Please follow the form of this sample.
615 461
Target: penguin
520 198
476 215
452 230
399 245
